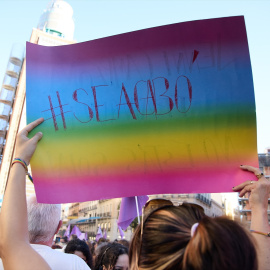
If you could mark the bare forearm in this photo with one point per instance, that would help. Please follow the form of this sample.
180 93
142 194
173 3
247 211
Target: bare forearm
259 222
14 207
15 250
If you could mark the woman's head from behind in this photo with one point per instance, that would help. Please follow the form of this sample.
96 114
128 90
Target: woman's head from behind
220 243
112 256
81 249
166 242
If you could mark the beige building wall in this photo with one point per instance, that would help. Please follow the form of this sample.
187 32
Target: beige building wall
104 213
73 210
211 207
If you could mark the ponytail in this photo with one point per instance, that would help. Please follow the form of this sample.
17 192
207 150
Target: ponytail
166 232
220 244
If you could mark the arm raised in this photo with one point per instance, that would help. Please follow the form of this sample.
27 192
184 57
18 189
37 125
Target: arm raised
258 192
15 249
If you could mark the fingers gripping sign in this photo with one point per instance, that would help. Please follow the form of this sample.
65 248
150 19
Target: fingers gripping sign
245 187
258 204
256 171
26 147
258 190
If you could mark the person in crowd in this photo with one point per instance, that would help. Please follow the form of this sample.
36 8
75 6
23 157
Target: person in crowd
81 249
63 242
73 237
43 219
92 252
56 246
43 223
97 250
124 242
93 247
15 249
183 237
112 256
90 246
101 240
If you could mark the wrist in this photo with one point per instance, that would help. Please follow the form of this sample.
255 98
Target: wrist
22 158
261 209
23 165
18 166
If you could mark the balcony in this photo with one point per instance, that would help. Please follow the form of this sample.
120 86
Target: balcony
203 199
103 200
90 222
104 215
183 195
246 199
243 211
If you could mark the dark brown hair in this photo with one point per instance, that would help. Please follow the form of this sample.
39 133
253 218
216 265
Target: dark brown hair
166 242
80 245
101 240
124 242
109 254
220 243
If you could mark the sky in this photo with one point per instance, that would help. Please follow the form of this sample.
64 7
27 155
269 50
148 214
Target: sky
95 19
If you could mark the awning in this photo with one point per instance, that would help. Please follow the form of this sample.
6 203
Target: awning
82 219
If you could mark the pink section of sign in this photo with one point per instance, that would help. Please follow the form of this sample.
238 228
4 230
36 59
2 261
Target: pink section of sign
186 181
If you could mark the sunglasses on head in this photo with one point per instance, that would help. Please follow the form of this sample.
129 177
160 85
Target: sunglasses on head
156 204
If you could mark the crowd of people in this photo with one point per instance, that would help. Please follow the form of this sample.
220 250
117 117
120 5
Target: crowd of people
169 237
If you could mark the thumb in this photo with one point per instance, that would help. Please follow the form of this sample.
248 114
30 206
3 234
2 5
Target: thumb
37 137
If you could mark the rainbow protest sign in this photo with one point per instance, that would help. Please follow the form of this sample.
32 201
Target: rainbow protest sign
163 110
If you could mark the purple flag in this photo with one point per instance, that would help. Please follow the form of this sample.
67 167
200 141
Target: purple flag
67 231
121 232
99 234
128 210
76 231
105 234
83 236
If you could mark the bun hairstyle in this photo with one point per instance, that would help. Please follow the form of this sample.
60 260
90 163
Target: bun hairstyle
166 242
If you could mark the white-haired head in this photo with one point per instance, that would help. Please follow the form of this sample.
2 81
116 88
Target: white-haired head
43 220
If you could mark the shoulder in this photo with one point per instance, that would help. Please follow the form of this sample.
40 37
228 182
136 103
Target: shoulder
76 262
60 260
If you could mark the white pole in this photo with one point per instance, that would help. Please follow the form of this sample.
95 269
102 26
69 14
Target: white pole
137 207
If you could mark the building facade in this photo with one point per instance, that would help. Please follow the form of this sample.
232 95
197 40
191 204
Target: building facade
95 214
211 207
104 213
